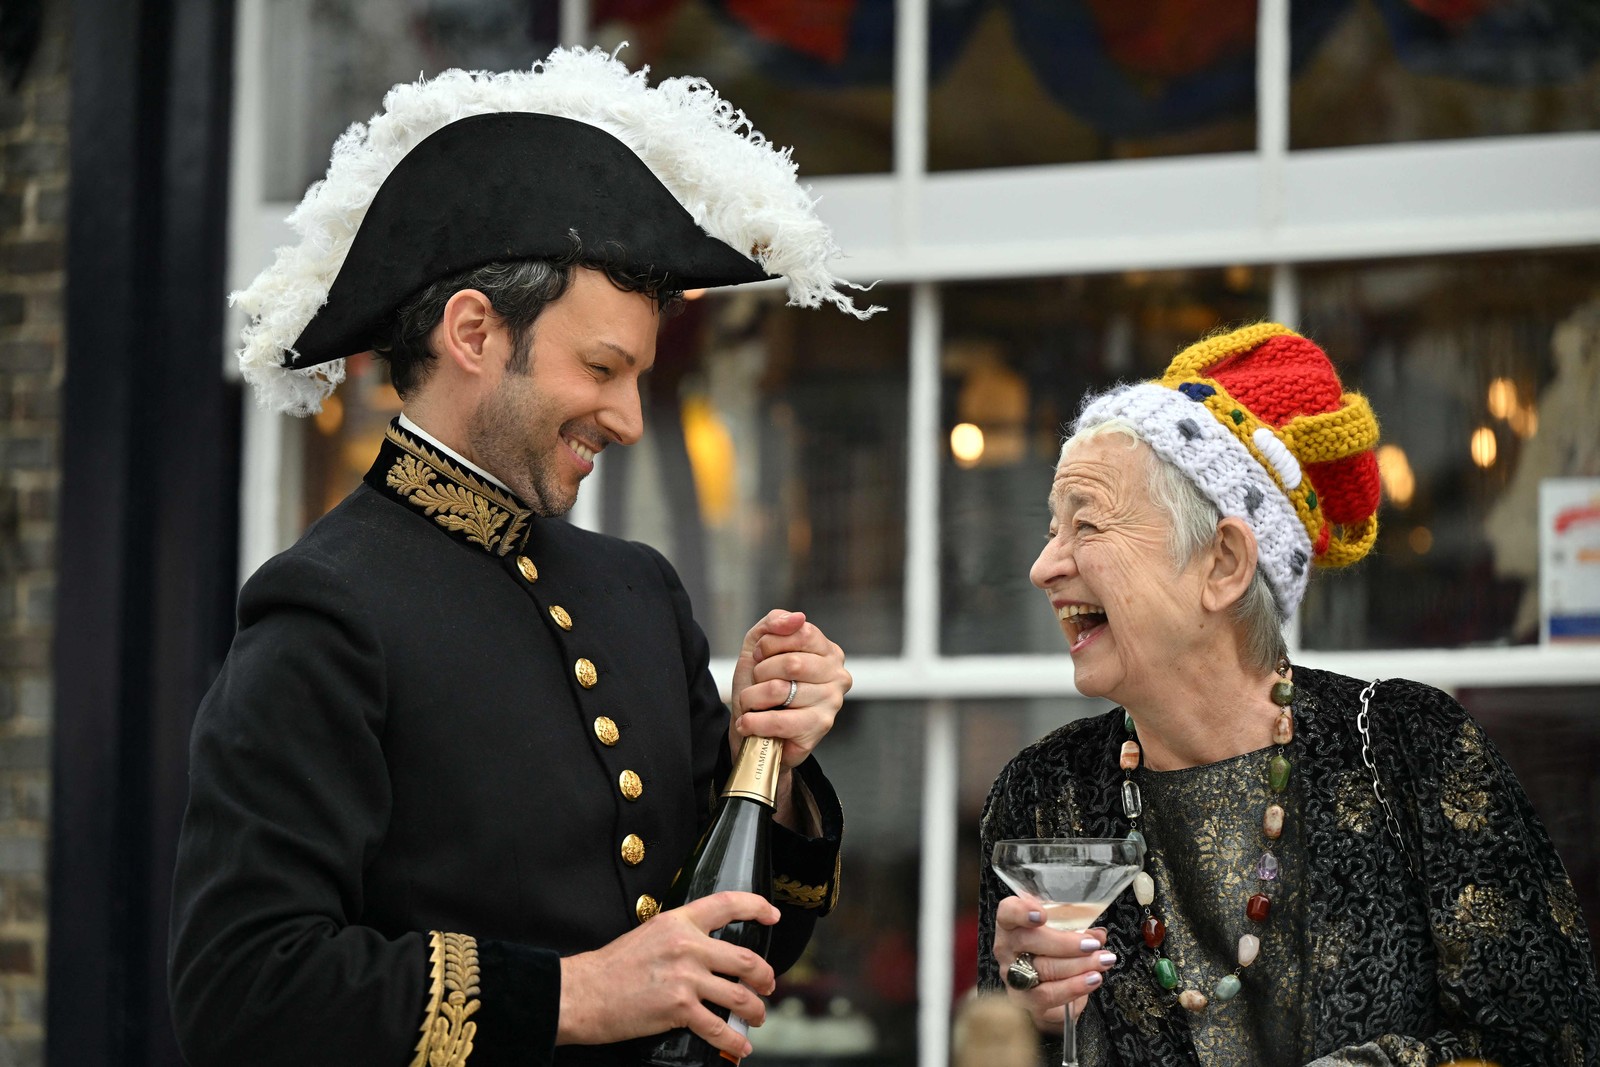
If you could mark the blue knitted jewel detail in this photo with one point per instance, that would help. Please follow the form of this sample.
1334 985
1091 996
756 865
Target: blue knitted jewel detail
1196 391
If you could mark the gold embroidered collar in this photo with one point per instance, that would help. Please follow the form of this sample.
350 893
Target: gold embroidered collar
467 507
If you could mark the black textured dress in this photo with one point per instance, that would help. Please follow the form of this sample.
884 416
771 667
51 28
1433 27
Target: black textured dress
1484 954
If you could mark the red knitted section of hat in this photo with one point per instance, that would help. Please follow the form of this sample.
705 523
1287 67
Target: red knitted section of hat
1288 376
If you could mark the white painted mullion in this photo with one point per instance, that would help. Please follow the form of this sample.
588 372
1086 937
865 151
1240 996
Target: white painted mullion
573 25
910 117
936 919
1272 107
922 586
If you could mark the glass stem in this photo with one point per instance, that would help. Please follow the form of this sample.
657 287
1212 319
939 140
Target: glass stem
1069 1039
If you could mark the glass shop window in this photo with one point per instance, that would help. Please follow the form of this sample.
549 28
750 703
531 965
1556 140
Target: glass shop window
817 77
1484 372
1016 360
773 467
331 61
851 1000
991 733
1382 71
1025 82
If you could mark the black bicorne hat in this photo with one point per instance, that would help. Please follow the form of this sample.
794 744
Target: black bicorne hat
509 186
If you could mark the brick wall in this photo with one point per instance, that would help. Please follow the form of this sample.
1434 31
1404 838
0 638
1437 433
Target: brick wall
33 186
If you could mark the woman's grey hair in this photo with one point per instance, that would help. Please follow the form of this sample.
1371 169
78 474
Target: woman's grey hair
1193 525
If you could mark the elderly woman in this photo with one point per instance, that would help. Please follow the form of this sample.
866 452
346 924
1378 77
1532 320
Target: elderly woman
1337 871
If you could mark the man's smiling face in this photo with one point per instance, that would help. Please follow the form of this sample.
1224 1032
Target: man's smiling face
541 426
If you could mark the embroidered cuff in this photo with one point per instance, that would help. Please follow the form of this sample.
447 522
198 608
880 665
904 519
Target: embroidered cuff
805 870
516 1018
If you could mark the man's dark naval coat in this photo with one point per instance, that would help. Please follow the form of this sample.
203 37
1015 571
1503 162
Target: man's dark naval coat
410 789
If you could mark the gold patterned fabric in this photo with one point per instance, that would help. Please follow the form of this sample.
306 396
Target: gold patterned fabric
1482 955
1204 829
447 1026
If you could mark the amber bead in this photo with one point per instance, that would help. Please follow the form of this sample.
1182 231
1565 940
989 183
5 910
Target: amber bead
1154 931
1283 729
1272 822
1258 907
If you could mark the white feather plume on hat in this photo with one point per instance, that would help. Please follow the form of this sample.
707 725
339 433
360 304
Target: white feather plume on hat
737 186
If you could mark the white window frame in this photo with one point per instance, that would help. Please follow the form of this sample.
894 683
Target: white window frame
1270 207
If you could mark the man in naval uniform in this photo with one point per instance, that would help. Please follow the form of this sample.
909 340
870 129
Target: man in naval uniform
460 747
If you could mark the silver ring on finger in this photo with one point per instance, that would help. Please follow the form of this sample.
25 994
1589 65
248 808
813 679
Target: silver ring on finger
1022 975
794 687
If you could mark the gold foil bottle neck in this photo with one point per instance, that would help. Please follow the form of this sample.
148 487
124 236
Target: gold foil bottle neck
755 772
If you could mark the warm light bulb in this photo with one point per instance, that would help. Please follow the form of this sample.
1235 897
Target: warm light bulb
1502 398
1484 447
966 444
1394 470
1525 421
1421 539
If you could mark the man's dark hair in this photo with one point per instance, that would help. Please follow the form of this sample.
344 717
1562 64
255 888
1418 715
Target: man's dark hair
518 290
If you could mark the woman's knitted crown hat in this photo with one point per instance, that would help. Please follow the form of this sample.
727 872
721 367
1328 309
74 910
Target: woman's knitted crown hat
470 168
1258 420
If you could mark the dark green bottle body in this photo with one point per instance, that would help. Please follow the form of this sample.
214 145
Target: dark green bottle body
735 855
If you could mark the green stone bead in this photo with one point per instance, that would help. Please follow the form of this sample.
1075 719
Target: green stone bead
1227 988
1236 415
1283 693
1278 774
1138 838
1311 500
1166 973
1127 722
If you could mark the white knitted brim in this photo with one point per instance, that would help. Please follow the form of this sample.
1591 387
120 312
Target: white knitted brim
1188 436
737 186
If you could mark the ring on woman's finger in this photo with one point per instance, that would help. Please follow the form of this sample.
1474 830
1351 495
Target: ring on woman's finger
1022 975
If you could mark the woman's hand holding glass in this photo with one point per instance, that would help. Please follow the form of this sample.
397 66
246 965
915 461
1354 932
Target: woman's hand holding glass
1071 965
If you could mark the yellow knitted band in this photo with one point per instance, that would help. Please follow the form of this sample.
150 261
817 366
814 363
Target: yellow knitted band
1332 435
1192 362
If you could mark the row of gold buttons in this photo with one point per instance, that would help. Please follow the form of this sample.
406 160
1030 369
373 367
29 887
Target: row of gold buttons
605 729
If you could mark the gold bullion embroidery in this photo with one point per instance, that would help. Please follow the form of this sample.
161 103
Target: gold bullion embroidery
1564 907
451 506
447 1028
786 890
478 496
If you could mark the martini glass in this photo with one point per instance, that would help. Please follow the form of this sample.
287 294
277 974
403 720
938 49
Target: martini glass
1073 879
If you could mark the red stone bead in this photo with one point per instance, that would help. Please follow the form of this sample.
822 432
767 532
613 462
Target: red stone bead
1155 932
1258 907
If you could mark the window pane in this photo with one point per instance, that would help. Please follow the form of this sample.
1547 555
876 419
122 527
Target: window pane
992 732
851 1001
1382 71
772 471
817 77
1551 739
1482 373
331 61
1039 81
1017 358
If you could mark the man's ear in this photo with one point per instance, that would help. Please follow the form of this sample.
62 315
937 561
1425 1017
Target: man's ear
1230 564
467 333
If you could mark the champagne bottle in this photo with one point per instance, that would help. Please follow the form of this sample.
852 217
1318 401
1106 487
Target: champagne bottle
734 855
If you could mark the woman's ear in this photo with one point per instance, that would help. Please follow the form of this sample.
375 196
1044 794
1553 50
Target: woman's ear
1230 564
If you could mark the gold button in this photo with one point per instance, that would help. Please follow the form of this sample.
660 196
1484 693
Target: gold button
632 850
630 784
606 731
559 613
529 571
586 673
646 907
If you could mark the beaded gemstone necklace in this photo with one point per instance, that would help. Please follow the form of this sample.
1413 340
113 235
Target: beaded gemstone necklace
1259 905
